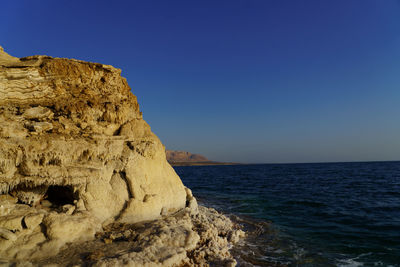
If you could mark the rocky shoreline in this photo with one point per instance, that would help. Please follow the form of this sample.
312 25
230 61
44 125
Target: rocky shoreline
193 236
84 180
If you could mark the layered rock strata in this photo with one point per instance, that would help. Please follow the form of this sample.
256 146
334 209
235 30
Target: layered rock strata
83 178
75 155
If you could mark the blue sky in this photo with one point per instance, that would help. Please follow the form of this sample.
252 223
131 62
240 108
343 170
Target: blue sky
246 81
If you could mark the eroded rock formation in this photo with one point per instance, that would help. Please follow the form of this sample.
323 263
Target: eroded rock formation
78 163
72 137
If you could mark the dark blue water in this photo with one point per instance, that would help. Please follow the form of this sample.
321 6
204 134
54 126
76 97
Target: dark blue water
328 214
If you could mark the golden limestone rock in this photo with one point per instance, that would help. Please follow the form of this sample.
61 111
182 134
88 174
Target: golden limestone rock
83 179
75 155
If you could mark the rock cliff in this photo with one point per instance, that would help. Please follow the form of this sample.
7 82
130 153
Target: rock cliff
72 136
77 157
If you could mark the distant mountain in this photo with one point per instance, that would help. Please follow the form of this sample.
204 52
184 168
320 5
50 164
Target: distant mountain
183 156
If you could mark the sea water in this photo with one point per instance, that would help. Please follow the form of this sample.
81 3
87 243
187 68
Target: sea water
320 214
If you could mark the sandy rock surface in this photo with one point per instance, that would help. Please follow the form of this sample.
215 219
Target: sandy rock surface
75 157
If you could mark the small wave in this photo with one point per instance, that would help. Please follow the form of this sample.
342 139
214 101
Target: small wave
353 262
349 263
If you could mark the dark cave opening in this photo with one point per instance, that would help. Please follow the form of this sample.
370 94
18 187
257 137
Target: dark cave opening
61 195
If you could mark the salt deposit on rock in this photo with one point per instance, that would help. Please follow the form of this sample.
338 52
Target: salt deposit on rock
76 158
183 239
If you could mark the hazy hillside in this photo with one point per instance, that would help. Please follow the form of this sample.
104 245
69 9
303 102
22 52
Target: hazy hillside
183 156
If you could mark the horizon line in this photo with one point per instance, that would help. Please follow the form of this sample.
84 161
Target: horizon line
317 162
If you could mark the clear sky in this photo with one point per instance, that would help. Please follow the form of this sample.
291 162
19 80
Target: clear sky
246 81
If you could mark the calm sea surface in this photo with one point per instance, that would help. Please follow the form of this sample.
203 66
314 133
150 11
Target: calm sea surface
328 214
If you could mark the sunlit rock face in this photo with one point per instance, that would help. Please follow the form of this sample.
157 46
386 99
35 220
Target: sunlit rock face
75 154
